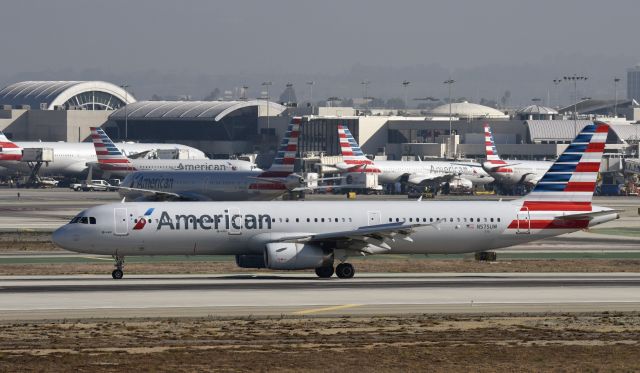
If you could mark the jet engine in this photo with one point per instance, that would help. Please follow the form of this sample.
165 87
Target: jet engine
290 256
294 181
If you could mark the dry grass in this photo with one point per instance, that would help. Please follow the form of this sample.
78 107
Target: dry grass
551 342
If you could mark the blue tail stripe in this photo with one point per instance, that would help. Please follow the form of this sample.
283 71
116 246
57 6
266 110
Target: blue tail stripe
555 177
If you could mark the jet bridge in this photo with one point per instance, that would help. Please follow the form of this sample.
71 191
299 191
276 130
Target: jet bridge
35 158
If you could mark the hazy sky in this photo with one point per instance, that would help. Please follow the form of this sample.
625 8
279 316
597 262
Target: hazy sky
311 37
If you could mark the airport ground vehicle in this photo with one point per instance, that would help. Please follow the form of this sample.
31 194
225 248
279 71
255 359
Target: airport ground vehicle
92 185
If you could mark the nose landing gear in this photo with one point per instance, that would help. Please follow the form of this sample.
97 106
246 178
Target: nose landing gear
118 273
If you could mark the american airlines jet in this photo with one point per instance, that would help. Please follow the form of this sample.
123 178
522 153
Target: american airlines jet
511 172
113 162
71 159
415 173
220 185
297 235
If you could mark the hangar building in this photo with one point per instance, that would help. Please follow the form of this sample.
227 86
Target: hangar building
58 110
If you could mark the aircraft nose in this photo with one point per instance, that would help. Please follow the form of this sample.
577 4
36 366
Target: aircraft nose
61 237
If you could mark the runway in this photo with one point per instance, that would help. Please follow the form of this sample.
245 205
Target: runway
56 297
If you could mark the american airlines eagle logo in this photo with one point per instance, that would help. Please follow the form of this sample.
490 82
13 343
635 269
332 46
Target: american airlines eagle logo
142 220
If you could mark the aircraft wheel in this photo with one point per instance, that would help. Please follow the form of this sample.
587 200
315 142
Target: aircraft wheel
345 270
324 272
117 274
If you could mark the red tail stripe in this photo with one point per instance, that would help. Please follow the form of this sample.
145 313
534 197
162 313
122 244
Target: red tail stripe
556 206
595 147
550 224
113 161
588 167
579 186
602 128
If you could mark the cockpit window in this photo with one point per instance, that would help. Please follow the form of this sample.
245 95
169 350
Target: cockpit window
84 220
92 220
74 220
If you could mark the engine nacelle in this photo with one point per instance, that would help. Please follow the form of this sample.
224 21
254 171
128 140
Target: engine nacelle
292 256
250 261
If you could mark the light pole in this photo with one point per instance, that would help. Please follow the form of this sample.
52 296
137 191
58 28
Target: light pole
267 84
450 83
575 78
365 85
126 122
289 89
244 92
405 84
556 82
310 84
615 90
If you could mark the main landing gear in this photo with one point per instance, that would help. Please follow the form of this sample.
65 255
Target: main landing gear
343 270
118 273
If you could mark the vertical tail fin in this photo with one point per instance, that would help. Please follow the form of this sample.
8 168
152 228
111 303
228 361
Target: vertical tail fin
285 159
352 154
570 182
9 151
110 158
490 148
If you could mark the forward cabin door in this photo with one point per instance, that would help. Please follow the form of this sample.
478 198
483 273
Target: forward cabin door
235 221
374 218
524 221
121 222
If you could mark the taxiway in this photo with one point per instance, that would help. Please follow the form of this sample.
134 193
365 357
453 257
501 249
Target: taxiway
56 297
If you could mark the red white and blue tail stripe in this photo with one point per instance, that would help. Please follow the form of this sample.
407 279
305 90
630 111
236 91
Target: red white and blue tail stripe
490 148
110 158
9 151
284 162
352 155
567 187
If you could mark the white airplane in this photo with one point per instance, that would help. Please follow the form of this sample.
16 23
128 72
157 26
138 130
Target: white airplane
296 235
113 162
414 173
220 185
511 172
70 159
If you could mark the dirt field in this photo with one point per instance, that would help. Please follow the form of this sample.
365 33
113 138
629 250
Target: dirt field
567 343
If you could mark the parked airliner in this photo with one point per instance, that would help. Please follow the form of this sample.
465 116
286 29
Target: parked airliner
220 185
113 162
414 173
71 159
511 172
296 235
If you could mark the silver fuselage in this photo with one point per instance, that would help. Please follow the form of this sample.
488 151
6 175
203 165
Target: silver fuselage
194 228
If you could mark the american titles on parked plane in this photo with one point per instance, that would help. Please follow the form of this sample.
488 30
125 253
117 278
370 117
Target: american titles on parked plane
420 173
71 159
221 185
295 235
113 162
511 172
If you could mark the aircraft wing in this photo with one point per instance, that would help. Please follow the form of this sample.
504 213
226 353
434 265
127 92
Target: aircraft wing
157 195
422 179
497 167
140 155
370 239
